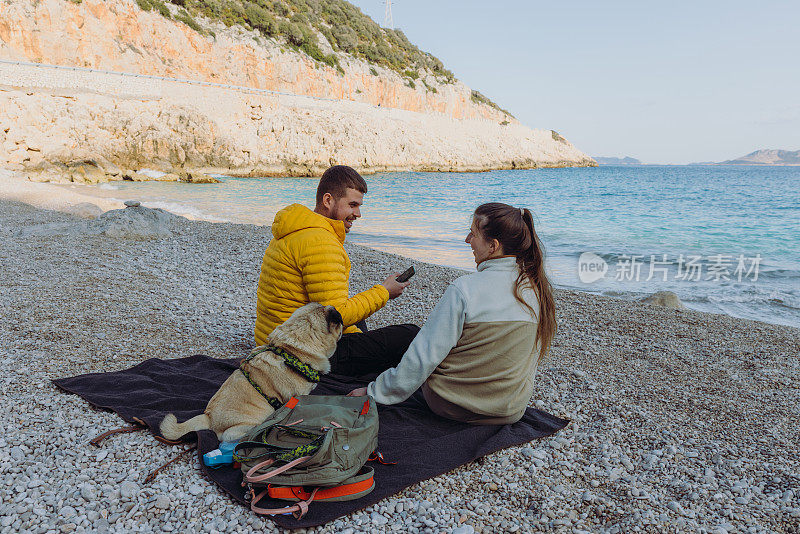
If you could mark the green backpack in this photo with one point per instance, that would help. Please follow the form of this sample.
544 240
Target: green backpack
314 447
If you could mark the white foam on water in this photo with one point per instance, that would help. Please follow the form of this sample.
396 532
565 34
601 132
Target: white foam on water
184 210
177 208
152 173
108 187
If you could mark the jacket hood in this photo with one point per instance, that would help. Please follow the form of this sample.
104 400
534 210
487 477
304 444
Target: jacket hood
298 217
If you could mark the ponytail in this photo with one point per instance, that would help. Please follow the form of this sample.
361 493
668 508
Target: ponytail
514 230
531 270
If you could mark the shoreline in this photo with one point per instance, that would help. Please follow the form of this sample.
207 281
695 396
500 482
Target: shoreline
49 172
681 420
59 196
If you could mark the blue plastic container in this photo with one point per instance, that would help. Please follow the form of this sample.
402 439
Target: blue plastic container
221 456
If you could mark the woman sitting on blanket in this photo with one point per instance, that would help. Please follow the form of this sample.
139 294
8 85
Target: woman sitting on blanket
476 356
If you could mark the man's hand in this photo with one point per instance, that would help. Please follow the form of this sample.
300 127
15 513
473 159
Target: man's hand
394 287
358 392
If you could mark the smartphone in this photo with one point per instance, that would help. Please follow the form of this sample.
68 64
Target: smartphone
405 275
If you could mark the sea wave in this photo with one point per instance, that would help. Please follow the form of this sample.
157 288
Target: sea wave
752 295
183 210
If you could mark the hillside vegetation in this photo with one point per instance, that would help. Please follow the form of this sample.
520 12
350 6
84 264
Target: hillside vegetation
345 27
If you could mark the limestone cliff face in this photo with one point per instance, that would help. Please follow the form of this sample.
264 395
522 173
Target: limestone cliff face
232 132
117 35
52 118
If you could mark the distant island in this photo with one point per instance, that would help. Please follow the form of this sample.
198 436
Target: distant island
627 160
763 157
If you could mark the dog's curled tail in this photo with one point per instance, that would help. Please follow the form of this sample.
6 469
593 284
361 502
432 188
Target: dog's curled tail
172 429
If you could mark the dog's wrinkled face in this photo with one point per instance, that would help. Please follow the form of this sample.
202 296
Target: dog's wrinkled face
313 328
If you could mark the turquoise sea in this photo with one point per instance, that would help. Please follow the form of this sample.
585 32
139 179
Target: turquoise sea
726 239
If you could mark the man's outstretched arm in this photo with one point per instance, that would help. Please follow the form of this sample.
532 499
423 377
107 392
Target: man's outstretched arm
324 272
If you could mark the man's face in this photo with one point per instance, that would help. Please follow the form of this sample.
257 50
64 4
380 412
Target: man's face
346 208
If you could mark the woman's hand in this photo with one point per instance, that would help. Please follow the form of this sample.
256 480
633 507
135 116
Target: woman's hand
358 392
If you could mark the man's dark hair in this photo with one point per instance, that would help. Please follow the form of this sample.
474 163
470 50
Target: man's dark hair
337 179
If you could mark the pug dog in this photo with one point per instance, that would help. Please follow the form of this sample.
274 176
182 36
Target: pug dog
310 334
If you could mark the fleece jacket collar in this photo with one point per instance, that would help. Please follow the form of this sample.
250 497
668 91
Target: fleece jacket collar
298 217
504 263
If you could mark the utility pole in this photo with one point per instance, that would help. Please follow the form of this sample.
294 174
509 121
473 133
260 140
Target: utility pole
388 22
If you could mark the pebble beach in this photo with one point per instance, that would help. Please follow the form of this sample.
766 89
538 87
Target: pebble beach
681 421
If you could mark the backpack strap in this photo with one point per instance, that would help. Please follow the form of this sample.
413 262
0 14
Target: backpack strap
298 510
359 485
250 477
378 457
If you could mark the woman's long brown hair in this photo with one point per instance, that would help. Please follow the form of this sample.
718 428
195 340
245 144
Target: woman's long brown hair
513 229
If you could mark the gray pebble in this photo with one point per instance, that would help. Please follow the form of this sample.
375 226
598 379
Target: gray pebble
378 519
129 489
16 454
162 502
67 512
88 492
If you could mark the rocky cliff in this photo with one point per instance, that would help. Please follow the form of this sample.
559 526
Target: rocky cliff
371 117
117 35
767 157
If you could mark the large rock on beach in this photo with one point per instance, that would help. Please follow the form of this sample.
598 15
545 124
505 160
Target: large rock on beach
133 176
667 299
136 222
87 210
88 172
196 178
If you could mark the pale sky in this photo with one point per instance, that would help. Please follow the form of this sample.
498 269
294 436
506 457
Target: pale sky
664 82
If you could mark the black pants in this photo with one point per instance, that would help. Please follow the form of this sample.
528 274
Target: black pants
370 353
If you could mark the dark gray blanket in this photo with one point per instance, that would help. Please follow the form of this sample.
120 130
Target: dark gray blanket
423 444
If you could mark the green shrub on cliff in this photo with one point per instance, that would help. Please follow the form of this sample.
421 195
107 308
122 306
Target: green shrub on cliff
163 9
478 98
158 5
187 19
260 19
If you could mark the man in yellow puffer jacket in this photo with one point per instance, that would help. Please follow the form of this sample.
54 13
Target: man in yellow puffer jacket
306 261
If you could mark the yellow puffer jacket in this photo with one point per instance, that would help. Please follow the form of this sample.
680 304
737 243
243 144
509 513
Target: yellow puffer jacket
306 262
